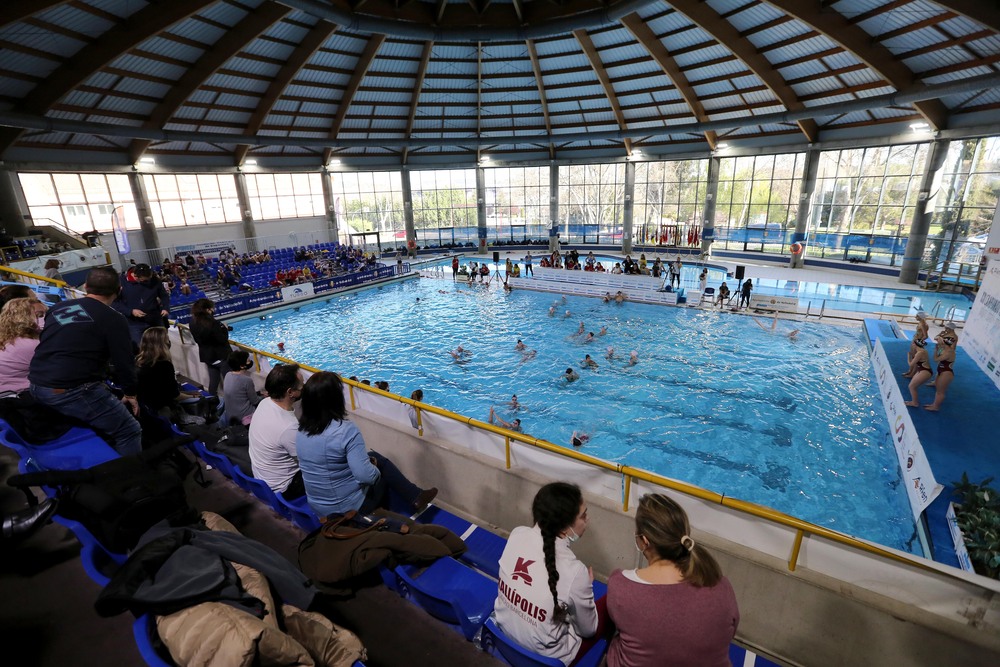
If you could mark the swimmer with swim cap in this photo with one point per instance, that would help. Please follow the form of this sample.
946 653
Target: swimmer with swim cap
633 358
571 375
589 362
579 438
611 353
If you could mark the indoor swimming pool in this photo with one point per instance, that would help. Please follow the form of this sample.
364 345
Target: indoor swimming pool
717 400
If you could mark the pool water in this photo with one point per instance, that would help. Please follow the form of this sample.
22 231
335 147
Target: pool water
715 399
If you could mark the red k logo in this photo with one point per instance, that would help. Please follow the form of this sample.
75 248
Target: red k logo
521 570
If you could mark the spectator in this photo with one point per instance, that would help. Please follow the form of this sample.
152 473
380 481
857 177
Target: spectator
19 332
745 293
67 372
339 473
272 433
142 301
723 294
546 596
239 393
679 609
158 388
10 292
212 337
52 270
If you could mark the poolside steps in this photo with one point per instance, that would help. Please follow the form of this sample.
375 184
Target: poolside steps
885 330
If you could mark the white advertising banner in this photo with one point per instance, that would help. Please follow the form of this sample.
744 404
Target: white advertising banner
783 304
71 260
979 337
921 487
670 298
295 292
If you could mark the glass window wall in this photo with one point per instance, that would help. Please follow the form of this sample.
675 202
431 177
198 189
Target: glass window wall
590 203
79 202
179 200
444 207
669 202
517 204
370 204
281 196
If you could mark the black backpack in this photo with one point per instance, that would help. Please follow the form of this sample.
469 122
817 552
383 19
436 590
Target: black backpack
119 500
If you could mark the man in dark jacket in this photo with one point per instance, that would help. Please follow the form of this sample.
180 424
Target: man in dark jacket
142 301
67 372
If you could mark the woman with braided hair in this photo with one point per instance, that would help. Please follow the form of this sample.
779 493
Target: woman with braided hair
678 611
546 596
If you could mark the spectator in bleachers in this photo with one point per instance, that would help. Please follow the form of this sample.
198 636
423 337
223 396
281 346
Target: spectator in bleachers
679 609
68 370
142 301
19 332
273 453
339 472
546 596
10 292
212 337
52 270
158 388
239 392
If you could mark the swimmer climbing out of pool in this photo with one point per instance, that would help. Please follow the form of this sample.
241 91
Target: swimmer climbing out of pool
944 355
921 367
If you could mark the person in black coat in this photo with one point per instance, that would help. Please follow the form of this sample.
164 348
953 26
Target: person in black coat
212 337
143 301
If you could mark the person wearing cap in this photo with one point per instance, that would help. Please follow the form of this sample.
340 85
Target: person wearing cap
143 301
70 363
921 333
920 370
944 355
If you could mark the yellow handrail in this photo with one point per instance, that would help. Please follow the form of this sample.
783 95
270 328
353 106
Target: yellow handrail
32 276
801 528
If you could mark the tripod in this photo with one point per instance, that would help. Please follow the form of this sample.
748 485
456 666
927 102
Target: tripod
498 277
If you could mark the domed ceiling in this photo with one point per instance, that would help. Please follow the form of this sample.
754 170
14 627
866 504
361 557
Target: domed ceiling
390 82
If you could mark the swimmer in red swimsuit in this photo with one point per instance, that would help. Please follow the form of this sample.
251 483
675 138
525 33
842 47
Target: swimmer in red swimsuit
944 355
921 370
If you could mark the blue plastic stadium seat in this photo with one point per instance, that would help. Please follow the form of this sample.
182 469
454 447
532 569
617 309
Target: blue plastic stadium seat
497 644
450 592
220 462
484 547
261 490
144 631
300 512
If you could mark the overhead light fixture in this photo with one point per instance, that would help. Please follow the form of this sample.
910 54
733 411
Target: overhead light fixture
147 160
333 163
636 153
484 158
251 163
722 146
920 127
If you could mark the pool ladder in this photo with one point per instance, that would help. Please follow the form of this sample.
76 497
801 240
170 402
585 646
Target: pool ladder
822 310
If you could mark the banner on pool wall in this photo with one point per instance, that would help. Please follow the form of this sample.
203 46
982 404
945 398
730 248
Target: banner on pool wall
921 487
979 337
296 292
783 304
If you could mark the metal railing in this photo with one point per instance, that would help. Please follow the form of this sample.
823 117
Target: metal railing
34 279
628 474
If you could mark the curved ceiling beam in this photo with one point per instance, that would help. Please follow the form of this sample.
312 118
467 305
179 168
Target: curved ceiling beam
418 85
131 32
22 121
602 75
649 40
18 10
215 56
296 60
981 11
360 70
537 69
840 30
725 34
552 28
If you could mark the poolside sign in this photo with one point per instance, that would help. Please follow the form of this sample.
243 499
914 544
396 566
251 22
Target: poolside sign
294 292
979 337
783 304
921 487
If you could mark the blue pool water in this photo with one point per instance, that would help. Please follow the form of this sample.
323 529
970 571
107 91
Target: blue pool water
715 400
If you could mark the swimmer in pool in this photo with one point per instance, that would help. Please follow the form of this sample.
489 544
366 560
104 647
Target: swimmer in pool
567 315
921 367
633 358
460 354
607 297
578 438
514 405
514 425
774 325
528 355
570 375
581 329
552 311
589 338
588 362
620 297
610 354
603 331
520 345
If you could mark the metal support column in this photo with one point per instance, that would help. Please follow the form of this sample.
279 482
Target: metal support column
411 233
328 204
921 224
628 208
249 232
149 236
711 194
482 231
14 215
809 171
553 208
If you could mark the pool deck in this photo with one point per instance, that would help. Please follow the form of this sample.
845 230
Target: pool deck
961 438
